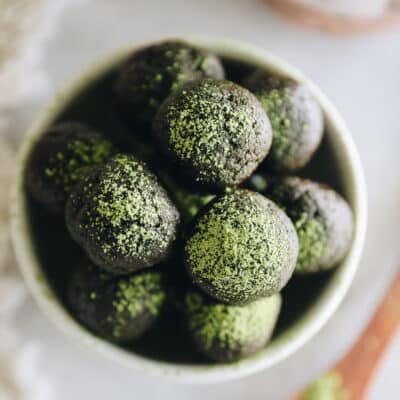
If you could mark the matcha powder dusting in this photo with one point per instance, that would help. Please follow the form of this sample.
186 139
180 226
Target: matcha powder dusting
227 333
118 308
216 130
154 72
322 218
122 216
296 119
60 158
135 297
241 248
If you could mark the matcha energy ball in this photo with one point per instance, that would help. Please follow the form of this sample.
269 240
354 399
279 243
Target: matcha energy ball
118 308
322 218
122 216
215 130
153 72
59 158
227 333
296 119
242 247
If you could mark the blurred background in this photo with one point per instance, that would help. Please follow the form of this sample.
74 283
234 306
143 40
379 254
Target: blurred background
350 48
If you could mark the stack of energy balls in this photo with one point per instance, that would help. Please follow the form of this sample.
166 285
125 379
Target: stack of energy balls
192 200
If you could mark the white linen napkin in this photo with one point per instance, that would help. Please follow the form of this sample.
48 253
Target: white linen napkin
25 26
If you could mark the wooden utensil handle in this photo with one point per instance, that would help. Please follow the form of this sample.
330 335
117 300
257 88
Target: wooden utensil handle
359 365
356 369
338 24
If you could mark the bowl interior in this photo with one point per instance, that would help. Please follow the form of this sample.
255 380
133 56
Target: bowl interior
47 254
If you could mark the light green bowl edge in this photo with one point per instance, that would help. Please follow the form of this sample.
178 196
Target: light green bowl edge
282 346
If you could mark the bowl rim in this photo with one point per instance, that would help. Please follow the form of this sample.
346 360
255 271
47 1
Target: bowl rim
289 341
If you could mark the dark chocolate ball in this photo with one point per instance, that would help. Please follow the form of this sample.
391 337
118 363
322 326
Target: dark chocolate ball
122 217
117 308
215 130
322 218
241 247
296 119
154 72
59 158
228 333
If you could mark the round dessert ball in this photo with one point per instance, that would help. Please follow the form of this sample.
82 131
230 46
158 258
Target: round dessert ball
215 130
227 333
322 218
153 72
59 158
117 308
242 247
296 119
121 215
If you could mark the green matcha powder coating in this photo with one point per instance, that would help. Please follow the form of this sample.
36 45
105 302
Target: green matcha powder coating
60 157
242 248
152 73
65 168
216 130
296 119
227 333
135 297
122 216
322 218
118 308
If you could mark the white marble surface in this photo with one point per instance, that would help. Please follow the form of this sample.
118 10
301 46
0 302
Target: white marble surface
360 74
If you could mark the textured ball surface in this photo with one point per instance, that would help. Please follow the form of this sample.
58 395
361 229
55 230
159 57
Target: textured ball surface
241 248
60 158
296 119
154 72
227 333
117 308
216 131
122 216
322 218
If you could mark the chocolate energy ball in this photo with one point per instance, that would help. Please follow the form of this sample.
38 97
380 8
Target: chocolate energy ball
215 130
121 215
118 308
296 119
242 247
227 333
322 218
154 72
60 157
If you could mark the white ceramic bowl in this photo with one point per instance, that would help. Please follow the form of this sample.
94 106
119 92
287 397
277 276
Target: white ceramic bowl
348 168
